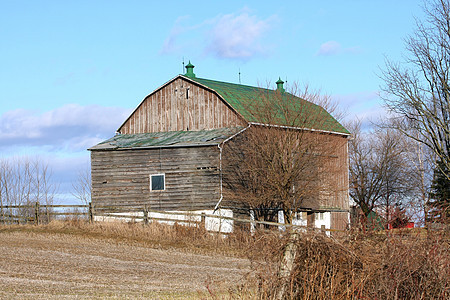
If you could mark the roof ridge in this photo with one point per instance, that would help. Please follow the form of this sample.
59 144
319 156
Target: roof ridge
239 97
238 84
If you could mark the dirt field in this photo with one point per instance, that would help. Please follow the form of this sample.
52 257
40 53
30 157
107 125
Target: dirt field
58 266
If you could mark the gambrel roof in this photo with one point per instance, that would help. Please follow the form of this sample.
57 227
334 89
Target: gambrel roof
231 105
246 100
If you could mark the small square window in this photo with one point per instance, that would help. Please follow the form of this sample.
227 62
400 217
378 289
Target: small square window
157 182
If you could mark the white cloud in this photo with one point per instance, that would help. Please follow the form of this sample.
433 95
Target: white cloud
63 170
365 106
71 127
58 138
233 36
238 36
172 42
334 48
357 99
329 48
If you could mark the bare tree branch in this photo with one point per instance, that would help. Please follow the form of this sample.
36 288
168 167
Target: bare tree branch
417 91
82 187
289 167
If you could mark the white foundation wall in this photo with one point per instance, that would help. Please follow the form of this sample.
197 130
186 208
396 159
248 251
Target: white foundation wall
122 217
321 219
219 225
187 218
299 219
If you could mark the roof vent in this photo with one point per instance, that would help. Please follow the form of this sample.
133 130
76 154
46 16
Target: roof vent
280 85
190 70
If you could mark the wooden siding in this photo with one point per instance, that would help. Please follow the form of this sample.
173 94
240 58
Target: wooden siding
332 189
123 178
339 220
180 106
335 173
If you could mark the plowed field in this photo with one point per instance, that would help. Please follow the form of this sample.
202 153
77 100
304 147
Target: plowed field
40 265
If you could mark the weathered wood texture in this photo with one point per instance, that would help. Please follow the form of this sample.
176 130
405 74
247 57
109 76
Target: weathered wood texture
123 178
339 220
332 177
332 189
180 105
334 173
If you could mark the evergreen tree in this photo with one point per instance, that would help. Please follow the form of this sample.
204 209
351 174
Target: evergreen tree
440 193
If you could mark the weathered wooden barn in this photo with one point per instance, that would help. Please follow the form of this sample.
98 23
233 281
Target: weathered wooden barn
167 153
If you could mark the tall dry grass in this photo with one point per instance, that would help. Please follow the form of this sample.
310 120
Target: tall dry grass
155 235
406 266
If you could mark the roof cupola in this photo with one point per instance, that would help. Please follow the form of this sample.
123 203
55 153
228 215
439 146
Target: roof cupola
190 70
280 85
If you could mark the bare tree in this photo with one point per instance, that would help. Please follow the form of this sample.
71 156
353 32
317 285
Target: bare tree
289 158
44 189
380 172
397 183
25 181
365 181
82 187
279 163
417 91
421 160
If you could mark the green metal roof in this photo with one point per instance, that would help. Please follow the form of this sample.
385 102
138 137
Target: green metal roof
247 101
167 139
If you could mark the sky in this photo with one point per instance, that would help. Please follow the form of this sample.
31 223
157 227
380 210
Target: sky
72 71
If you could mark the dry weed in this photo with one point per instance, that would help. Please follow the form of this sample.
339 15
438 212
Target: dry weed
186 238
405 266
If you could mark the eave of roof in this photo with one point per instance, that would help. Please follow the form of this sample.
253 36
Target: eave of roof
167 139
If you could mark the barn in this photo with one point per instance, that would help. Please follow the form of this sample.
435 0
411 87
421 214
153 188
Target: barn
167 155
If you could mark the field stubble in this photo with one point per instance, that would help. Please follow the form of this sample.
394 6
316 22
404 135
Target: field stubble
75 259
68 260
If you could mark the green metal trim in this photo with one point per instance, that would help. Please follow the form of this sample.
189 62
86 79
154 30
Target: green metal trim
190 70
280 85
167 139
244 100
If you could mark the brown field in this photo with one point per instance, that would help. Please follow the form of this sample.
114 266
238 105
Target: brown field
111 261
75 259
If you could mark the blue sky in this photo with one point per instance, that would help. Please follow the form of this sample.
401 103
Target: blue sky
72 71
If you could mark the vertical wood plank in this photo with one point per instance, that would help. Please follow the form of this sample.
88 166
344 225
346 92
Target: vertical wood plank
168 110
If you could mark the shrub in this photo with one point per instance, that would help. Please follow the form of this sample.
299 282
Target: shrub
371 267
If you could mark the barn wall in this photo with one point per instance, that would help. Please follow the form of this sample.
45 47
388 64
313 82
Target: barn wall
335 180
332 178
335 173
123 178
180 105
332 187
339 220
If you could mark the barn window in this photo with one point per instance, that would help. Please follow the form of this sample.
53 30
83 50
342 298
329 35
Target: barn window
157 182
